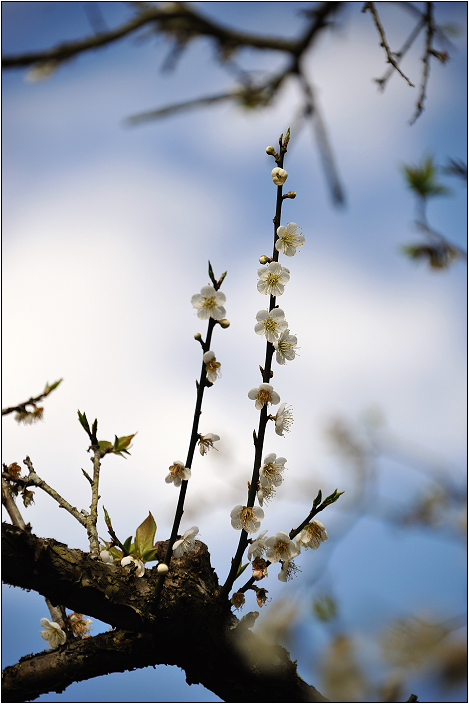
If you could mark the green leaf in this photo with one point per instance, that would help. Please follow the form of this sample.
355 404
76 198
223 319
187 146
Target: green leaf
84 422
128 544
211 274
121 444
50 388
333 497
317 500
422 179
145 535
104 444
241 570
150 555
107 520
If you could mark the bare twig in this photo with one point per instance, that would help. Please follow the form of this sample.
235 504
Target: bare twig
34 480
429 22
371 7
402 52
10 504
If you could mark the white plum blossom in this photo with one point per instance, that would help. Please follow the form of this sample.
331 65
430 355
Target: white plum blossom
287 570
264 394
52 633
279 176
265 493
280 547
186 543
283 419
257 547
312 535
162 568
106 556
285 347
289 239
272 279
131 560
209 303
212 367
206 442
270 323
178 473
247 518
271 471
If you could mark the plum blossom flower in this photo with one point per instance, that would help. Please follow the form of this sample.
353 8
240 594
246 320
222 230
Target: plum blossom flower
257 547
186 543
280 547
212 367
265 493
285 347
209 303
131 560
312 535
80 625
289 239
270 324
279 176
106 556
238 599
247 518
272 279
283 419
271 471
206 442
264 394
178 473
259 568
52 633
287 570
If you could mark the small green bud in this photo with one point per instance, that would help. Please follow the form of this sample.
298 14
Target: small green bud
290 194
197 336
264 259
270 150
224 323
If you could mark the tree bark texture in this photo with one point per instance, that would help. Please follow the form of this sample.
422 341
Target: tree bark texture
190 627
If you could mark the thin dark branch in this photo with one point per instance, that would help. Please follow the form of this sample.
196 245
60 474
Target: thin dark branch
178 107
374 13
402 52
429 21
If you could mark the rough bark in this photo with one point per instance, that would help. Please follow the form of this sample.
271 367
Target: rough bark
190 627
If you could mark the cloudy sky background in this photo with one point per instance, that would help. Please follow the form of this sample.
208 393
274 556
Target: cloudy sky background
106 235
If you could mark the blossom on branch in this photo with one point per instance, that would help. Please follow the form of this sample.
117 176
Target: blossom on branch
106 557
131 560
283 419
212 367
270 324
186 543
52 633
80 625
285 347
247 518
263 395
312 535
289 239
271 471
279 176
178 473
209 303
257 547
206 442
280 547
287 570
272 279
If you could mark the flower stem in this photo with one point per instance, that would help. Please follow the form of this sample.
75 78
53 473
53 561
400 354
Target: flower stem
264 416
190 455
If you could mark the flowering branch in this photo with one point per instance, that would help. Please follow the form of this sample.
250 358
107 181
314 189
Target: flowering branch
28 417
209 304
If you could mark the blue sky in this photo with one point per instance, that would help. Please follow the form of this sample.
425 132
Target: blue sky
106 235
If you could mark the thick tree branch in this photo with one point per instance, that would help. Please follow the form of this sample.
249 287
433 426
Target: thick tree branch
190 627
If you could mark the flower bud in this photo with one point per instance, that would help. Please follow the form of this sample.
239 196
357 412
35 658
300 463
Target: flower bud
279 176
290 194
162 568
258 574
224 323
197 336
270 150
264 259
